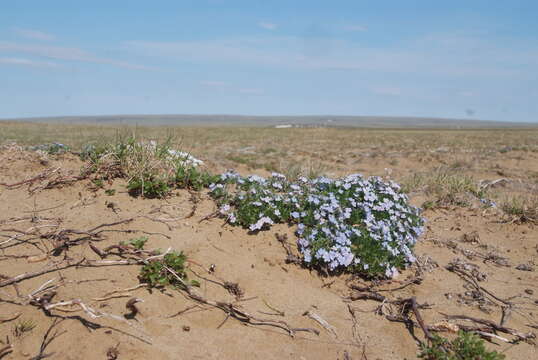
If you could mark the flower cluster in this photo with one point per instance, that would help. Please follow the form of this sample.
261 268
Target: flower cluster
52 148
353 223
181 157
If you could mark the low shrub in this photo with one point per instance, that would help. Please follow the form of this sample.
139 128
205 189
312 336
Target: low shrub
354 224
467 346
155 274
152 169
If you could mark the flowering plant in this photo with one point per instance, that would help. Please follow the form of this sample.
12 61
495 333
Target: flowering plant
354 224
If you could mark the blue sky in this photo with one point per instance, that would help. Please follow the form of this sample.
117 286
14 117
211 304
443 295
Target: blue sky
455 59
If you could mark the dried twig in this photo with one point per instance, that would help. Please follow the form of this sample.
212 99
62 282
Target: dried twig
47 339
8 318
233 311
324 324
493 326
29 275
6 350
291 258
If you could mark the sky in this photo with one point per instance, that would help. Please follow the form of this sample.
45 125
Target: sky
469 59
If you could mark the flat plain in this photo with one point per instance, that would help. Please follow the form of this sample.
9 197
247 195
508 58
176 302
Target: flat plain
477 259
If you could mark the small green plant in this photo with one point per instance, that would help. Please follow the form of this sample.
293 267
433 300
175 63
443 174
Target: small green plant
148 187
110 192
138 243
467 346
157 273
98 183
23 327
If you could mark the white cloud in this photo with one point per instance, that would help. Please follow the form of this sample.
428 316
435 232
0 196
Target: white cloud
28 62
34 34
267 25
355 27
439 55
67 54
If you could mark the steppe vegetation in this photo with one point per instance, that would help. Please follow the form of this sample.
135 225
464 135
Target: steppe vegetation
221 238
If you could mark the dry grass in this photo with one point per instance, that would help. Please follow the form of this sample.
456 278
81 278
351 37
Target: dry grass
522 209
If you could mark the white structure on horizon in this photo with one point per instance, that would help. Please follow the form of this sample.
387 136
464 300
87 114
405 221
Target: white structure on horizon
285 126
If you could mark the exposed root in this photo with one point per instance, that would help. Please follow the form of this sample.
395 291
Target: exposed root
233 311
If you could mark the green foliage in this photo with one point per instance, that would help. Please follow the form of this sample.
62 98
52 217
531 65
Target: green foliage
360 225
467 346
98 183
155 274
153 169
110 192
138 243
188 177
148 187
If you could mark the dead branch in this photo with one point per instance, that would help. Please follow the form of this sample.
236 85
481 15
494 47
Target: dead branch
117 296
29 275
355 325
414 307
455 267
324 324
4 319
210 216
6 350
277 312
47 339
125 290
233 311
232 287
493 326
38 177
291 258
180 312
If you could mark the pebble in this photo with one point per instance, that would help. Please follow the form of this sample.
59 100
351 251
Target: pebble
524 267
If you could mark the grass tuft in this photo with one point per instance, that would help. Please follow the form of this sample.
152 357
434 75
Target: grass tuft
22 327
522 209
446 186
467 346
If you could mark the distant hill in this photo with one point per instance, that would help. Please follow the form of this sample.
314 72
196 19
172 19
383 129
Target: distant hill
272 121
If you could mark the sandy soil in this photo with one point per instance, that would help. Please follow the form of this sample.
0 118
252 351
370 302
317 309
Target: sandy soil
255 262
